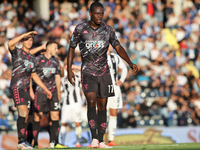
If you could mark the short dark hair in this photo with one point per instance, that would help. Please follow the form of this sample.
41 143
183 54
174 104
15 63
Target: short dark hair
51 42
94 5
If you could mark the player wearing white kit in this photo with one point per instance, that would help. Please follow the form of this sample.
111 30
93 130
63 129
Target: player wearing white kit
115 102
71 108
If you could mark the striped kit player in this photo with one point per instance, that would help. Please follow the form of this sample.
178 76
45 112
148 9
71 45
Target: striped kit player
71 108
115 102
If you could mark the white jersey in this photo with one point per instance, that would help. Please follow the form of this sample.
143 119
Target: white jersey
114 61
72 94
72 100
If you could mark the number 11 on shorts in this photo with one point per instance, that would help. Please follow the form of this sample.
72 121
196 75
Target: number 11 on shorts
110 89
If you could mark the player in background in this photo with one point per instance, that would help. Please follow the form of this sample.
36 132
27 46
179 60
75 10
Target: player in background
48 69
22 62
115 102
42 50
94 37
32 93
71 105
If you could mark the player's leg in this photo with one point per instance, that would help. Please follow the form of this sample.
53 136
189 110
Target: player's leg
54 113
63 133
106 89
22 102
66 115
77 119
30 123
112 125
112 106
40 102
92 117
114 103
90 89
22 126
36 127
50 125
78 131
30 128
102 117
21 122
55 129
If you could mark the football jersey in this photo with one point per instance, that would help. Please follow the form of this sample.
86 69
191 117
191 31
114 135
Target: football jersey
93 44
46 70
22 63
114 61
72 94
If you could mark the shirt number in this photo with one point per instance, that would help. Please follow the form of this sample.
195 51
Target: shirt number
56 106
110 89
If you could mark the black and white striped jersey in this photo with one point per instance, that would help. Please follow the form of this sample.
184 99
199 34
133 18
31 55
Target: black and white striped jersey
114 61
72 94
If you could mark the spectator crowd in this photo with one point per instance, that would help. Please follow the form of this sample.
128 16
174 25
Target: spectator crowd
160 36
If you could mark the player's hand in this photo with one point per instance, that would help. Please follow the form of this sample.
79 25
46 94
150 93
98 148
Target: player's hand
44 46
49 94
71 77
29 33
118 82
134 68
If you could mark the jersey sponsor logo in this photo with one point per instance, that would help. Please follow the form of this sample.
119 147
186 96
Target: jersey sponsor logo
94 44
47 71
28 64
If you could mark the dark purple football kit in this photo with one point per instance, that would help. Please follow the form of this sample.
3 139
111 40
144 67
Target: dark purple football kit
21 73
93 44
46 70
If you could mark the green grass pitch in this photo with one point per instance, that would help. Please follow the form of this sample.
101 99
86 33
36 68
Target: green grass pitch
175 146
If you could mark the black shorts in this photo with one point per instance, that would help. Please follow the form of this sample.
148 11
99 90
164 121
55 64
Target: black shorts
43 104
102 85
21 97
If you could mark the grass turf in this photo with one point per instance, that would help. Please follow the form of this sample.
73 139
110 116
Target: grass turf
175 146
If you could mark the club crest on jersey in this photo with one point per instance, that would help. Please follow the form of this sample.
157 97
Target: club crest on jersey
47 71
94 44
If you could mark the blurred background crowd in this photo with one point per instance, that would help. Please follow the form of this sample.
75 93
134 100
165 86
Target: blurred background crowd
160 36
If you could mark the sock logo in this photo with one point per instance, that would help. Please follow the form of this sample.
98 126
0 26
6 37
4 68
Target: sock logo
34 132
92 123
103 125
22 131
